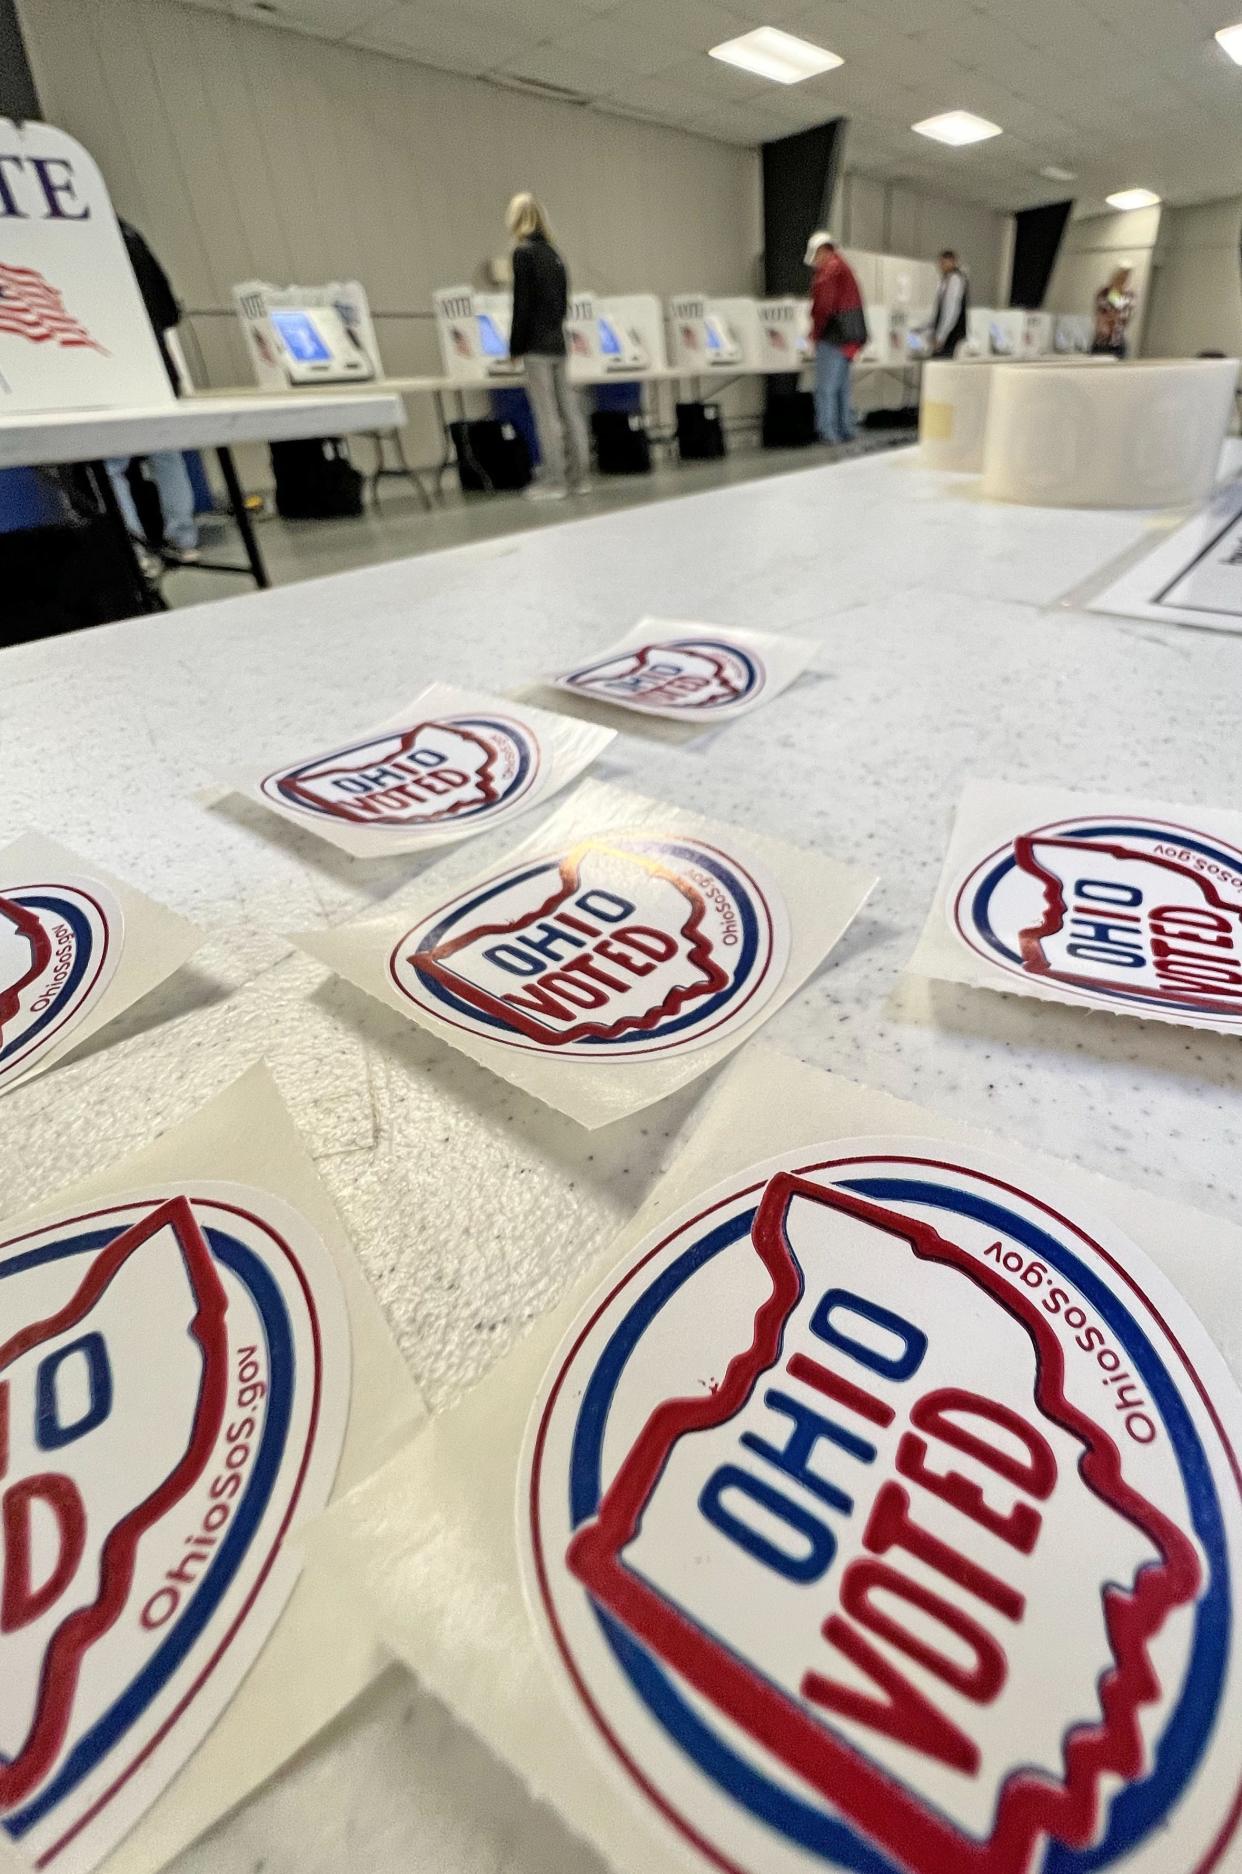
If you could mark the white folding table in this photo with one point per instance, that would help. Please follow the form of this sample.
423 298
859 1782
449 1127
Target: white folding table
89 437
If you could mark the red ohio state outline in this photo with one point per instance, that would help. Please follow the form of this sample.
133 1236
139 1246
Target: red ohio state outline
1030 940
41 952
1030 1809
578 679
72 1640
432 962
483 778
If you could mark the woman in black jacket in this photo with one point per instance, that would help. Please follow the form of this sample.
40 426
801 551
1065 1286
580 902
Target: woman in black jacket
537 334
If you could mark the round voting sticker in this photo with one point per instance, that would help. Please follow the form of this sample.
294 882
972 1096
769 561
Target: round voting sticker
882 1513
1115 909
624 946
59 946
675 676
455 768
174 1387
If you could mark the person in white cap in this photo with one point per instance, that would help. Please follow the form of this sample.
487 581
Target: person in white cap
1114 309
839 329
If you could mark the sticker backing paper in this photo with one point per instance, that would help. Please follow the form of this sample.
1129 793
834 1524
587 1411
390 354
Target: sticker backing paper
192 1365
1194 576
624 948
1092 899
873 1504
76 948
453 763
690 672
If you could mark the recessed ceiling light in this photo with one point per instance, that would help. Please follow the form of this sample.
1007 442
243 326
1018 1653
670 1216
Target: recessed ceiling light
1230 39
1126 199
957 127
1059 175
770 53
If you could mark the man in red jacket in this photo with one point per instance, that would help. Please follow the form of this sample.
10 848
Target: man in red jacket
839 329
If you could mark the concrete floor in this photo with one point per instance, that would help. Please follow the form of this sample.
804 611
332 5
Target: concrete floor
398 526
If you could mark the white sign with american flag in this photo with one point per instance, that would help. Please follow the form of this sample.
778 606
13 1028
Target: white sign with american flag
74 332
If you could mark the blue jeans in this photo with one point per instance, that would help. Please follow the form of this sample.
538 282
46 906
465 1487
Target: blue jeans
172 482
834 412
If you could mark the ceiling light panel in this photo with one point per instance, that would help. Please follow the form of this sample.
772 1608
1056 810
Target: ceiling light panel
957 128
770 53
1128 199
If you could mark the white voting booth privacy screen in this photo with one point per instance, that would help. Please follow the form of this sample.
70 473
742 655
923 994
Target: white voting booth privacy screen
308 334
74 333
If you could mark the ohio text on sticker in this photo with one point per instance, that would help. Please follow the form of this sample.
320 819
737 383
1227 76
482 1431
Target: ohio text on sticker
1117 909
60 943
683 675
453 768
881 1517
623 946
174 1372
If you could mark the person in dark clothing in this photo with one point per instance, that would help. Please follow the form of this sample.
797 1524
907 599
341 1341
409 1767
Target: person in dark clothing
537 335
951 313
168 469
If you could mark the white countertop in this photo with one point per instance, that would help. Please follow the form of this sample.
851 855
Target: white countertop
471 1206
27 440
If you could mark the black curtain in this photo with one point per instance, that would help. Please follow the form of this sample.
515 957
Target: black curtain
1036 241
799 179
18 97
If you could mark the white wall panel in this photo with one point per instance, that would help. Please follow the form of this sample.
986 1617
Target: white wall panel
1196 289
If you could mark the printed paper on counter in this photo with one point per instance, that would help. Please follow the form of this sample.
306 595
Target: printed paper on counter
452 764
192 1365
690 672
625 948
1194 577
817 1517
1095 900
76 948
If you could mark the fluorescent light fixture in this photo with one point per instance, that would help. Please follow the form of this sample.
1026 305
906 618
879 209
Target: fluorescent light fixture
1126 199
770 53
1059 175
957 128
1230 39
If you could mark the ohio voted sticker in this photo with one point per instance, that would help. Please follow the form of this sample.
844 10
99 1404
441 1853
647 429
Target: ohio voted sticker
174 1384
1117 909
883 1514
60 942
622 946
452 769
690 672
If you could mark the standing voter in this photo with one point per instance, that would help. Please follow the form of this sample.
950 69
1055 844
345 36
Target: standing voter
839 329
537 334
1114 309
951 313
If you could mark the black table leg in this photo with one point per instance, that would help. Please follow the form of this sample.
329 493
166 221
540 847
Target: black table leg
147 596
237 501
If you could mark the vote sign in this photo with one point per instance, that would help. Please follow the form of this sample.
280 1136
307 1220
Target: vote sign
882 1513
73 328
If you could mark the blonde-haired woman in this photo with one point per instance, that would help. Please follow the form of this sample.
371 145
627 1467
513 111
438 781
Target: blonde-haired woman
537 334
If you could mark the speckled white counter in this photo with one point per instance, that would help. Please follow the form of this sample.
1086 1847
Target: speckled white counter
470 1206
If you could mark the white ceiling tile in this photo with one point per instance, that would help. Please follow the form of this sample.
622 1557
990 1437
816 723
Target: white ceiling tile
449 35
631 47
331 19
693 25
569 71
723 84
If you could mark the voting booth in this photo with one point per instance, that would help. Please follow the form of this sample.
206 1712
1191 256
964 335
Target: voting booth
620 336
1037 328
473 330
299 335
1073 333
703 335
785 326
74 333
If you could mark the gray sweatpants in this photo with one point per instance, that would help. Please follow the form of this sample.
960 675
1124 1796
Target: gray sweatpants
558 419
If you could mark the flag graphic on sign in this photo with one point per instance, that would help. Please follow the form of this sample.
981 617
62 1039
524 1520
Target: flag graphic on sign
32 308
